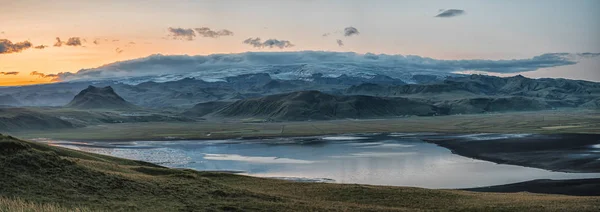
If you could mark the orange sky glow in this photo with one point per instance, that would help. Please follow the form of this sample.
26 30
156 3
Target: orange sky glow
125 30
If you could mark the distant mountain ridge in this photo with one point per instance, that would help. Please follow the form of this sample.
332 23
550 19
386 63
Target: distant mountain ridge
99 98
187 92
8 100
491 104
316 105
559 92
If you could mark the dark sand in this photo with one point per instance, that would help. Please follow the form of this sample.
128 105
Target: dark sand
557 152
577 187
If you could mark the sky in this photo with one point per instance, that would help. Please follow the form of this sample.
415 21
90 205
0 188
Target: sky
108 31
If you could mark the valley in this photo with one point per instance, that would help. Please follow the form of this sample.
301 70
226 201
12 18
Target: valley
203 142
231 140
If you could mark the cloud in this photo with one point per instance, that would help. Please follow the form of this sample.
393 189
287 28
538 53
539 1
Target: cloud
119 50
96 42
208 33
326 34
8 47
54 77
72 41
349 31
58 43
40 47
182 34
588 55
340 42
9 73
450 13
288 64
256 42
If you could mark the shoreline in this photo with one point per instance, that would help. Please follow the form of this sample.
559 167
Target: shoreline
572 187
579 122
544 151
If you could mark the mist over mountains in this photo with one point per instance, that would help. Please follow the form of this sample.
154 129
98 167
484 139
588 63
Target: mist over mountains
297 65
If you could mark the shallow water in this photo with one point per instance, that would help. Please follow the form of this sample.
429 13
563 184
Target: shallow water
392 159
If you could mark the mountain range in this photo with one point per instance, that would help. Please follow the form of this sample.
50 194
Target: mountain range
316 96
316 105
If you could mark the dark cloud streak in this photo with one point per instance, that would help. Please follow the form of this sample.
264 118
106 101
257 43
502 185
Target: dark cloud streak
450 13
9 73
270 43
54 77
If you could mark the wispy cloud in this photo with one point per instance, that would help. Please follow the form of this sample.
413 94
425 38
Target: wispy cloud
8 47
450 13
40 47
340 42
119 50
349 31
270 43
58 42
9 73
326 34
182 34
72 41
208 33
54 77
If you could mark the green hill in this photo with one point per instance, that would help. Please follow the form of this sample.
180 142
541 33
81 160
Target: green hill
12 119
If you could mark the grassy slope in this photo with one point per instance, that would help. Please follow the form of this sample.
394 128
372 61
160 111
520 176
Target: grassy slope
561 121
15 204
64 178
54 118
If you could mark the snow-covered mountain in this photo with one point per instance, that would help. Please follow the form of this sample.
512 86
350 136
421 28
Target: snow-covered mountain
299 65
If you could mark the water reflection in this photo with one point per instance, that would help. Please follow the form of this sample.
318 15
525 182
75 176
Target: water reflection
394 159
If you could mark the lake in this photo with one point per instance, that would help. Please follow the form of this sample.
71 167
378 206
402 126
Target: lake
398 159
